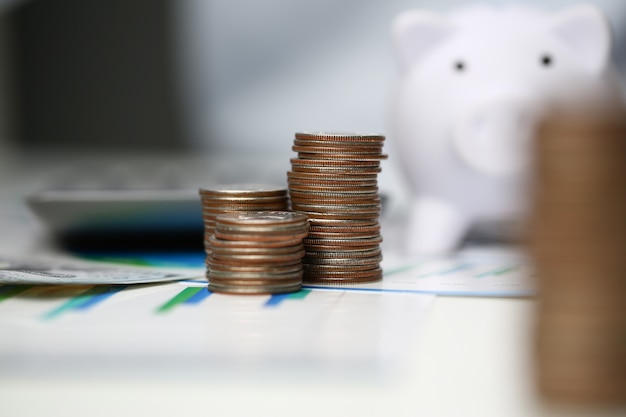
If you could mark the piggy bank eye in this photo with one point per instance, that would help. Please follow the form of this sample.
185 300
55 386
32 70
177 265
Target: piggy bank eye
546 60
459 66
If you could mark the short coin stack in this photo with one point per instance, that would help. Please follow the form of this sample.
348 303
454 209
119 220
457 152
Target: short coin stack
578 238
257 252
238 197
334 181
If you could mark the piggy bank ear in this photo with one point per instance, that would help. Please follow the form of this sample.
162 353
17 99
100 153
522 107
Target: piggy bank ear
587 30
415 33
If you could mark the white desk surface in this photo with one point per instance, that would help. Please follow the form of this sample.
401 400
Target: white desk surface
473 358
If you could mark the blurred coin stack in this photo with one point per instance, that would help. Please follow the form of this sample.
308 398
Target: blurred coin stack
578 243
334 181
235 198
257 252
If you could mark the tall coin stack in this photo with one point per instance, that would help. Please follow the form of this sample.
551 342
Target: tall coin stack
578 237
257 252
334 181
238 197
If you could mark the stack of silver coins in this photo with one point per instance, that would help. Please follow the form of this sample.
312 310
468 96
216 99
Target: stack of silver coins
238 197
334 181
578 238
257 252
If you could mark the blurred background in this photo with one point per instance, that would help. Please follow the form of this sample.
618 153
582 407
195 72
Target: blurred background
92 84
211 75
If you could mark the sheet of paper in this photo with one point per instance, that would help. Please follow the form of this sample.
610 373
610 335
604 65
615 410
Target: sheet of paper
477 271
182 326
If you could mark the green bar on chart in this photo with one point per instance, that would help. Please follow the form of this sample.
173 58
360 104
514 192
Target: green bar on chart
179 298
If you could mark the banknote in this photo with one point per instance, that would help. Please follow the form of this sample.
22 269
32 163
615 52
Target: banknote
51 271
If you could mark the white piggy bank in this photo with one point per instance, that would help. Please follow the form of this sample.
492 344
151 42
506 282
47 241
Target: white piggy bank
472 85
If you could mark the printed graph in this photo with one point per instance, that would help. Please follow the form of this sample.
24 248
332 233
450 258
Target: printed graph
488 272
88 298
466 274
172 324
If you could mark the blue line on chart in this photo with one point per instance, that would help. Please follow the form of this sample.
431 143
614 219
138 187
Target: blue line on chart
199 296
100 297
523 293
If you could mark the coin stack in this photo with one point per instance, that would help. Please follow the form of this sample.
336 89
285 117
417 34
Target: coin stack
578 243
238 197
334 181
257 252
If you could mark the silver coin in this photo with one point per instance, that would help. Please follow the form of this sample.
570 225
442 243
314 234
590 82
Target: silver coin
316 260
243 190
274 277
262 229
213 241
343 253
233 251
262 218
340 136
271 268
240 258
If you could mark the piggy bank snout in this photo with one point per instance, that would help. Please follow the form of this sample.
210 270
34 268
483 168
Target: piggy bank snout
493 136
